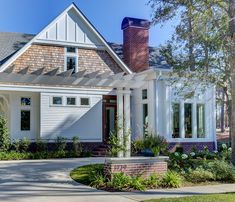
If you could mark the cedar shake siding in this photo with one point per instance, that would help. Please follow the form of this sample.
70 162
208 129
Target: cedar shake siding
94 60
38 56
51 57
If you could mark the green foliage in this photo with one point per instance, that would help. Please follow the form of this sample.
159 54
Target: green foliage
137 183
60 144
77 146
40 145
115 144
171 180
24 145
153 181
199 175
137 146
155 143
4 135
222 171
120 181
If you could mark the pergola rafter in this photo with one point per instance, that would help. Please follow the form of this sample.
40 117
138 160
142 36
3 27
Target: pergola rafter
67 78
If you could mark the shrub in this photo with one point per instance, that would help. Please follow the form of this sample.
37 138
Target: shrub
120 181
4 135
222 171
41 146
60 144
137 183
98 181
137 146
16 145
77 146
153 181
199 175
115 145
24 145
155 143
171 180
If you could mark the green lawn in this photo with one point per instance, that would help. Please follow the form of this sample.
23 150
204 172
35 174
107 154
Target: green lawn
229 197
81 174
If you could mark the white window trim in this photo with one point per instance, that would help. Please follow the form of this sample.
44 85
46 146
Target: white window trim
193 139
76 101
80 105
66 54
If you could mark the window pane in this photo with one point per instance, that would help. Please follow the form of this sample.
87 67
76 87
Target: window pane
25 101
71 63
176 120
84 101
144 94
71 50
188 120
71 101
145 118
57 100
201 121
25 120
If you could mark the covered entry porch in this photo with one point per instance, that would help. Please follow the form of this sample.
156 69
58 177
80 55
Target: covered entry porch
120 85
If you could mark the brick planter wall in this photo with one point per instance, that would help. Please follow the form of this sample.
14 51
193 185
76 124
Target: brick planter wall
187 146
136 166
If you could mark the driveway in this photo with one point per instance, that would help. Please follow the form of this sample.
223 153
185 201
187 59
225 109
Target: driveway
48 181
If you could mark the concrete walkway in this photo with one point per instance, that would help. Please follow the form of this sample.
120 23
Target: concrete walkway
49 181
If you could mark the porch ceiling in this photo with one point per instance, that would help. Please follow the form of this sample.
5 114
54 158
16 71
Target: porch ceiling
81 78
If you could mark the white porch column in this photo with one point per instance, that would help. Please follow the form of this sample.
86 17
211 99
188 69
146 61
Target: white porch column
120 118
182 129
127 121
194 121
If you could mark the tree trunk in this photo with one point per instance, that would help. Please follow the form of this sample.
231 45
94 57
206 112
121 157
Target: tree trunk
222 114
232 65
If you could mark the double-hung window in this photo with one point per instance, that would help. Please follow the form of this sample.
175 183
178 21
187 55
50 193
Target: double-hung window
71 59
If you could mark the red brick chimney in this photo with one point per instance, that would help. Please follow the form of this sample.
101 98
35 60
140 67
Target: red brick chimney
136 43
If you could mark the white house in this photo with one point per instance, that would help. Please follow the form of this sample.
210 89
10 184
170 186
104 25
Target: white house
68 81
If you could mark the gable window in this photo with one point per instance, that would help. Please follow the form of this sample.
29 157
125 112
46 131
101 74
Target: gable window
25 101
71 59
25 120
84 101
144 94
71 50
57 100
71 101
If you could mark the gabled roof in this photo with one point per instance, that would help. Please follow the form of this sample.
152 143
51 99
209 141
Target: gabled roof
73 7
10 43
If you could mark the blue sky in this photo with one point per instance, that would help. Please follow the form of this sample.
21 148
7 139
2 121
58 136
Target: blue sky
31 16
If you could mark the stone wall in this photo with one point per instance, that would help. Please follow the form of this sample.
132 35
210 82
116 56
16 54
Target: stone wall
51 57
136 166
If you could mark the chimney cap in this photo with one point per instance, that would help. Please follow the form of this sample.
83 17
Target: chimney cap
135 22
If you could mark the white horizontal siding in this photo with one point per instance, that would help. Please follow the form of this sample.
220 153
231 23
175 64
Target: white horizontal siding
65 121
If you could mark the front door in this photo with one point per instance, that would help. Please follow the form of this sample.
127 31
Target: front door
109 116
